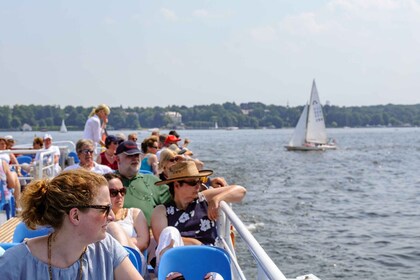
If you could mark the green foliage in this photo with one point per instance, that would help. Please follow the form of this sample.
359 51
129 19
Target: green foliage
245 115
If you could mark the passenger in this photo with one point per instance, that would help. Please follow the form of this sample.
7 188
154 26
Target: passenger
76 204
10 182
129 226
167 159
93 127
85 151
108 156
52 158
37 144
149 147
132 137
9 157
190 217
141 191
13 180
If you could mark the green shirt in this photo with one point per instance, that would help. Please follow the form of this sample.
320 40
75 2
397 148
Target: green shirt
142 193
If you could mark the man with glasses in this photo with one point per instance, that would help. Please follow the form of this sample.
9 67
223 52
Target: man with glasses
141 190
85 152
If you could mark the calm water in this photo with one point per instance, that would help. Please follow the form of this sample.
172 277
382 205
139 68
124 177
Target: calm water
353 213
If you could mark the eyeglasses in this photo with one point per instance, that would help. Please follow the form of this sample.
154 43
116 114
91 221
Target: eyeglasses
191 183
155 147
105 208
115 192
86 151
134 139
172 160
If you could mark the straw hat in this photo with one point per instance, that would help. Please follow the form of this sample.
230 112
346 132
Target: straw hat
184 170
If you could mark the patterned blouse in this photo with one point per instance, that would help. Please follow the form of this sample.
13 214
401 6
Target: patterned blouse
193 222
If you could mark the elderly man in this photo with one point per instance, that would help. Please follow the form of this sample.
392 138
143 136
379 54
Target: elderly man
141 190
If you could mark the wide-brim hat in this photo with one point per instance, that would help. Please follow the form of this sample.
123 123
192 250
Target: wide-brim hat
182 170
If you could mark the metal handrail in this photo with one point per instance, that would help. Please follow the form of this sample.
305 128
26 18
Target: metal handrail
268 267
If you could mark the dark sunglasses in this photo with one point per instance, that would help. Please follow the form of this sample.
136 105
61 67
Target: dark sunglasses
191 183
115 192
86 151
105 208
155 147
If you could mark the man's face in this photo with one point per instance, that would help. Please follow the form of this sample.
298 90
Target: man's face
47 143
128 165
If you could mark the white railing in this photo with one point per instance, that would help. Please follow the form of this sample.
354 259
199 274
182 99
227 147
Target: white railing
267 269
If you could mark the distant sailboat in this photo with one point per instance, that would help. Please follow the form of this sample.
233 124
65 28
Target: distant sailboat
216 126
310 133
63 128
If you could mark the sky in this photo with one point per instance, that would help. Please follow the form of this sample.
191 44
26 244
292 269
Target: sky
189 52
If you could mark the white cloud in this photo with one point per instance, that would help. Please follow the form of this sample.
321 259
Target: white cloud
169 14
264 34
201 13
301 24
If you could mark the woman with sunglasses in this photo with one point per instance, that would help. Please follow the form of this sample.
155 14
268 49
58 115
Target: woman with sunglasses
190 217
76 204
85 152
129 226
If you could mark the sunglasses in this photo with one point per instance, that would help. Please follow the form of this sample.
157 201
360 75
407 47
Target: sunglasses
191 183
105 208
155 147
115 192
86 151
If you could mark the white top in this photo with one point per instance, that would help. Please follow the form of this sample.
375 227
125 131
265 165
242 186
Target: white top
128 224
55 149
97 168
93 129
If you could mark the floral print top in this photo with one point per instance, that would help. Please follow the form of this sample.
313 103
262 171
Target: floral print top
193 222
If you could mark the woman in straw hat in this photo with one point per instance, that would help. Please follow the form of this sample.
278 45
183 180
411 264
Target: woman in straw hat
190 217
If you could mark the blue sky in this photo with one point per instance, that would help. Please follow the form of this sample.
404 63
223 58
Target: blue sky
160 53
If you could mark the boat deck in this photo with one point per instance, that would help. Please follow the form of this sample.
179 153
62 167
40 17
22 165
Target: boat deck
7 229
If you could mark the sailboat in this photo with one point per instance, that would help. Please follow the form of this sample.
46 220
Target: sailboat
63 128
310 133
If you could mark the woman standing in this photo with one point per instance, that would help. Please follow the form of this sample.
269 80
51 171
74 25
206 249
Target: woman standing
76 204
93 127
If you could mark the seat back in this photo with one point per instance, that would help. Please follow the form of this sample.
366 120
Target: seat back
194 262
22 232
6 246
133 258
74 156
24 159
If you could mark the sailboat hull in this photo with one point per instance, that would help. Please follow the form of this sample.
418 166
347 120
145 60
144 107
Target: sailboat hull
311 148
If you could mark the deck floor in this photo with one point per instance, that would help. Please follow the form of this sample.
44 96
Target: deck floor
7 229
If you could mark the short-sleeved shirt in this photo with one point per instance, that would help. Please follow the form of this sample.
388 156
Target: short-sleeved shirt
99 262
97 168
144 194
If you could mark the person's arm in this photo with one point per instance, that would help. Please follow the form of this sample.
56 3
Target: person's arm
153 162
7 172
140 225
159 221
126 270
233 193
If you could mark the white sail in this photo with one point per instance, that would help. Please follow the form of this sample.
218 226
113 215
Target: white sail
316 132
216 126
299 134
63 128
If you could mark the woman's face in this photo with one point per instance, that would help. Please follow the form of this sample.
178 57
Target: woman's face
3 144
94 221
86 155
117 193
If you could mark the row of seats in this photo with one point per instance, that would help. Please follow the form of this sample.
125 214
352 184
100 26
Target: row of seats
193 262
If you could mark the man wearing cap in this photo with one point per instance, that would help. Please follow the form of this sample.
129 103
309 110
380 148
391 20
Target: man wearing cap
52 158
190 217
141 190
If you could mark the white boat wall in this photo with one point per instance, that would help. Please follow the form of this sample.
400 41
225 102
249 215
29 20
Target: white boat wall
310 132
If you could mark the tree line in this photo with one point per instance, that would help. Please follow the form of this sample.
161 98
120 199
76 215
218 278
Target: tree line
229 114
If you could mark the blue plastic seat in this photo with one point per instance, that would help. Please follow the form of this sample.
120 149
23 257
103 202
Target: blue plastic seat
22 232
74 156
194 262
24 159
133 258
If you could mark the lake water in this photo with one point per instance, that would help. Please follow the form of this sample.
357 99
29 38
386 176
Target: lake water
353 213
